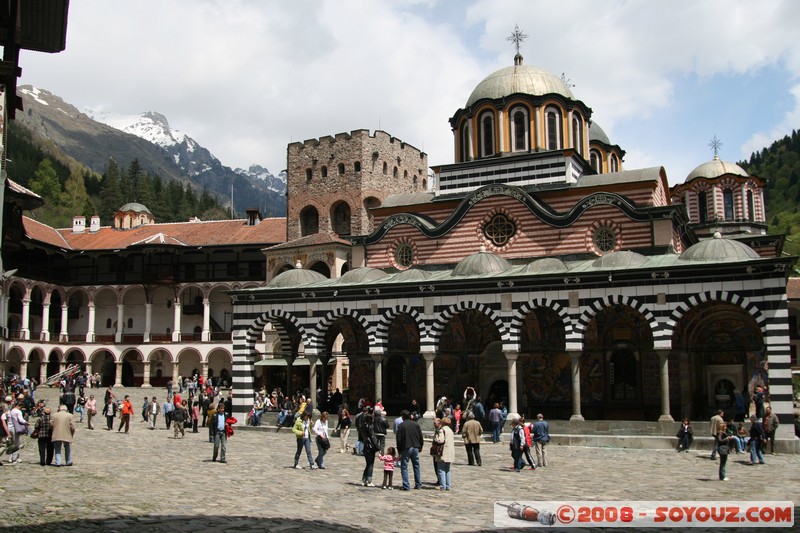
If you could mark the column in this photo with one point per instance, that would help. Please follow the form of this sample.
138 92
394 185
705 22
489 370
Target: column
501 134
204 369
25 332
148 320
206 335
176 322
575 360
324 359
511 358
663 364
45 335
120 322
378 359
289 369
63 335
4 316
118 377
175 367
43 372
312 379
146 374
90 326
430 406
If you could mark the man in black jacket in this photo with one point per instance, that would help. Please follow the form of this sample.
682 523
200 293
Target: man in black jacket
218 433
409 446
381 427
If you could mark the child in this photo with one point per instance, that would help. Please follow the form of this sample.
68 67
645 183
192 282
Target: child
388 467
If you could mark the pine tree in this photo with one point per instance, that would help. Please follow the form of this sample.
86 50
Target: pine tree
45 181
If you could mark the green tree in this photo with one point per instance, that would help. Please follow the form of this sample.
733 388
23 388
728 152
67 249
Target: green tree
45 181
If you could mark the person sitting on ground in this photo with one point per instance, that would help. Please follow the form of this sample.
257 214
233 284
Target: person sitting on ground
685 436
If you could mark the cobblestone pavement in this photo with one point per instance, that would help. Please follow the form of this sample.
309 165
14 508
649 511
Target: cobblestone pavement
148 481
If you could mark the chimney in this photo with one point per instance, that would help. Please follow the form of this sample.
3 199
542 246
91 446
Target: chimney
78 224
94 224
253 216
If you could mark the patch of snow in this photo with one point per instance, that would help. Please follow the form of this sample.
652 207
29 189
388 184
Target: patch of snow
33 93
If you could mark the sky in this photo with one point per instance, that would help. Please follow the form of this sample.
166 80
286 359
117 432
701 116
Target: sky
245 78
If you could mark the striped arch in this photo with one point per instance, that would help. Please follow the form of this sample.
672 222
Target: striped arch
440 323
515 329
382 328
316 344
616 299
718 296
277 317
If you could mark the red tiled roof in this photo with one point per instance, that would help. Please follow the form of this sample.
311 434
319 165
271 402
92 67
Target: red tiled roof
211 233
321 238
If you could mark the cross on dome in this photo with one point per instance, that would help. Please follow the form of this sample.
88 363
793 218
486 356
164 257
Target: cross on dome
715 145
517 37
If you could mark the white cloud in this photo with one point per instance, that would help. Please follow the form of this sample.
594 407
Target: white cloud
245 78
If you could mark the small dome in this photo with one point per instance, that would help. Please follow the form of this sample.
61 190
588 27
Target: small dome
135 207
412 274
716 168
719 249
362 275
296 277
596 133
621 259
482 263
545 265
525 79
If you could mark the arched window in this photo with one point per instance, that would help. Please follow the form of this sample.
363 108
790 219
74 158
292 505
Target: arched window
519 129
751 208
357 166
385 167
108 323
577 133
308 174
727 203
614 163
596 160
341 169
464 141
487 134
394 172
324 171
130 323
340 218
553 125
415 182
702 206
309 221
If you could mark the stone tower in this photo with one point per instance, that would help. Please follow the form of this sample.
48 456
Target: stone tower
332 182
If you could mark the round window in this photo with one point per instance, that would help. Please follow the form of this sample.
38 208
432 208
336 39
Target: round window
605 239
404 255
499 229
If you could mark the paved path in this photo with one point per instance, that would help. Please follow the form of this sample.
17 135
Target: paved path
147 481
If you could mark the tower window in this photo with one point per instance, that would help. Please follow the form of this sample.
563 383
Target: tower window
727 202
324 171
702 206
487 135
553 124
341 169
357 166
751 209
595 161
519 129
308 174
385 168
465 142
614 163
577 133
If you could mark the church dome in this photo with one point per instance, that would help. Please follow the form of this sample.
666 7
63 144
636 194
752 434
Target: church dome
296 277
412 274
597 134
719 249
545 265
362 275
716 168
135 207
525 79
482 263
621 259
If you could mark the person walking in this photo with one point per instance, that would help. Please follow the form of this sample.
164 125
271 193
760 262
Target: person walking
540 433
771 424
323 442
517 443
471 435
757 438
716 421
721 446
179 416
218 429
91 411
343 426
153 408
496 420
127 412
110 411
445 460
16 427
409 444
167 408
371 447
302 431
44 433
63 431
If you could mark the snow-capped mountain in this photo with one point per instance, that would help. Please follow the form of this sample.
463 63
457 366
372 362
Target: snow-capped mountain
112 135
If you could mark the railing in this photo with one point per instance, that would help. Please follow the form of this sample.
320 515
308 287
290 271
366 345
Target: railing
221 335
56 338
105 339
160 337
132 339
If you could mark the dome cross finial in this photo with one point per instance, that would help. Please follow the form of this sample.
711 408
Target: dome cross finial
517 37
715 145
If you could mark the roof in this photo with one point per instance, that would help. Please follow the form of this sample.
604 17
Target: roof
525 79
719 249
596 133
208 233
410 198
624 176
716 168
